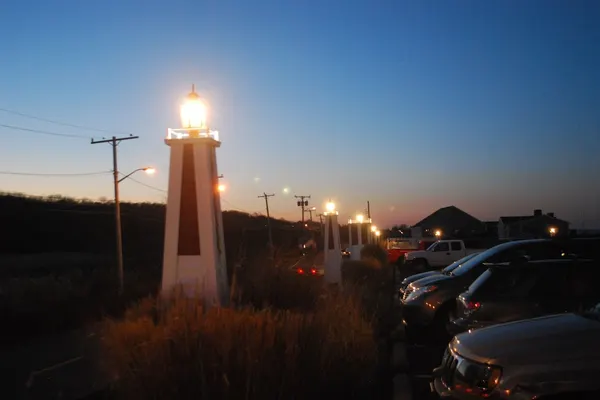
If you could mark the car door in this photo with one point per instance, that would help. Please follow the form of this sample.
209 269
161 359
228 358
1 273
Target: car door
440 255
552 289
457 251
505 296
583 282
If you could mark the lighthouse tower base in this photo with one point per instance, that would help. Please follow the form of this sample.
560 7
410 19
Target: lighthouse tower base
332 250
194 249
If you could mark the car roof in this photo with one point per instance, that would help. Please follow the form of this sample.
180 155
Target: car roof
546 262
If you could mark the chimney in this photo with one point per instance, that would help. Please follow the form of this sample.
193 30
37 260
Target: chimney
550 215
537 213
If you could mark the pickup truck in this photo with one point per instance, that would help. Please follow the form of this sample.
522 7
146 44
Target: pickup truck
397 248
440 254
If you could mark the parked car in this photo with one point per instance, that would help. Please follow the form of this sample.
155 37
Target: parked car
509 293
432 300
551 357
439 254
446 271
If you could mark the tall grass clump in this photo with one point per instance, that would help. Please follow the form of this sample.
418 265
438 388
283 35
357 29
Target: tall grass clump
186 351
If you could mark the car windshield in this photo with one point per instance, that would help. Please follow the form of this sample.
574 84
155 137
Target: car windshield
481 258
457 263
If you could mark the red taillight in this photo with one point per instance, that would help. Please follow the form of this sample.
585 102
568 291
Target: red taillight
300 271
313 271
472 305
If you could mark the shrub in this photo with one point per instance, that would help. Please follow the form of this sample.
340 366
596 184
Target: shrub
374 254
186 351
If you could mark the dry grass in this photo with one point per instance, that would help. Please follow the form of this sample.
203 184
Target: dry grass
185 351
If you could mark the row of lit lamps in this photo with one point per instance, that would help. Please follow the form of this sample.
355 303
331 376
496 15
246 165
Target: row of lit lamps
359 219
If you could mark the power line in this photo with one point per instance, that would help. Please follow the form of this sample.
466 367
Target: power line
146 185
49 175
60 123
20 128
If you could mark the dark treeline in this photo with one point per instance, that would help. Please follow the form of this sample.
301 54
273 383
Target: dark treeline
31 225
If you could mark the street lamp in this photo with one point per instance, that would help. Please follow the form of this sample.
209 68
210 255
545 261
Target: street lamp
438 234
149 171
377 233
552 231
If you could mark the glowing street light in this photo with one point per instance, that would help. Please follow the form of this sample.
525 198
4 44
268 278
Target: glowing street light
373 228
147 170
552 231
438 234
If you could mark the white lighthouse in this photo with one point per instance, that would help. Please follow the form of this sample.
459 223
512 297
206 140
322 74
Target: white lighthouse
194 249
332 246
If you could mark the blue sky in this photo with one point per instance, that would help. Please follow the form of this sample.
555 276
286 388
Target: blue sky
414 105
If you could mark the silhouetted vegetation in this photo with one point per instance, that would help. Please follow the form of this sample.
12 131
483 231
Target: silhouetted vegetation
303 342
282 336
57 268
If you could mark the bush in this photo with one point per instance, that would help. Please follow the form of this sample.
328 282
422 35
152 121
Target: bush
374 254
186 351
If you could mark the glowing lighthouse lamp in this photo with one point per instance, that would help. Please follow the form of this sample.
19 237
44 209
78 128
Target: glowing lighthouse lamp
194 251
332 246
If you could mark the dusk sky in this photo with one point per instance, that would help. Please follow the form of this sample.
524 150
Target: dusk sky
491 106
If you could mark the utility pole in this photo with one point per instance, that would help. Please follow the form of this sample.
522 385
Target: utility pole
321 221
302 203
266 196
310 211
114 142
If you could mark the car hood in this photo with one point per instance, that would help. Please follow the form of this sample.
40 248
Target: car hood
422 275
552 338
434 279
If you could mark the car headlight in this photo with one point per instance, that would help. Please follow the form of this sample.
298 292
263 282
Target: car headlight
464 375
480 376
421 291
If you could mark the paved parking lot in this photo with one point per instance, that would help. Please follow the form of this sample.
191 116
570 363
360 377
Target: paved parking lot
424 353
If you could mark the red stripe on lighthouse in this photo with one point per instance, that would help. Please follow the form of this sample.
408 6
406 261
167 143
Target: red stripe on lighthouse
330 233
189 235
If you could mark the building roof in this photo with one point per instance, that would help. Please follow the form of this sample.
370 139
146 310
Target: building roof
512 220
531 218
450 216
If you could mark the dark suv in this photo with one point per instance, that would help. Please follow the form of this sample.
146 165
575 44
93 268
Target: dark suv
431 301
507 293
